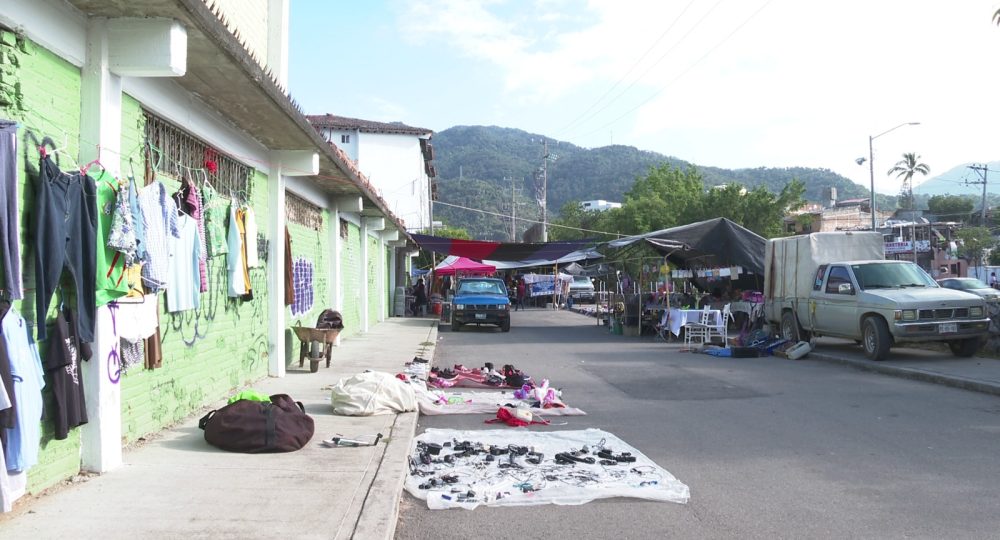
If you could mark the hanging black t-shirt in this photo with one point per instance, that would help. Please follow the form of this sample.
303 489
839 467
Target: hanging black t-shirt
62 363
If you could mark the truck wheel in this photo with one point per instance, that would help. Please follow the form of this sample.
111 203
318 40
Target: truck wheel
789 327
875 338
964 347
456 326
505 326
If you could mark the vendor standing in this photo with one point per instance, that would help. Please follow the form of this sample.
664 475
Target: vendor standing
419 297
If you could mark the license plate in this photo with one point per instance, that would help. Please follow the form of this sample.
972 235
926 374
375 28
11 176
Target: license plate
948 328
483 316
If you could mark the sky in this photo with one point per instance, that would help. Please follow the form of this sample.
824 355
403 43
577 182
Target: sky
724 83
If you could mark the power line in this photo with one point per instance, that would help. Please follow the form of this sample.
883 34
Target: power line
679 76
634 65
487 212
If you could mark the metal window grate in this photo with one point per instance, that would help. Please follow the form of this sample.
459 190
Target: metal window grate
303 212
176 152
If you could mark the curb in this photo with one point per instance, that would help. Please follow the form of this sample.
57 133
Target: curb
380 510
912 374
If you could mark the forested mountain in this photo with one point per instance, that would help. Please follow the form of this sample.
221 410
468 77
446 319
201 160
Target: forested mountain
479 166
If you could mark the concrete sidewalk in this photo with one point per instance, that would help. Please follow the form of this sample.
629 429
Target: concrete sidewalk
976 373
178 486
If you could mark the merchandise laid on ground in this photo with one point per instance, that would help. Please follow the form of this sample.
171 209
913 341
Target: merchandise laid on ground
465 469
487 377
436 402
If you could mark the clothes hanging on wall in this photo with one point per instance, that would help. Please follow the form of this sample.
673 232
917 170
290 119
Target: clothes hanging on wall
8 415
12 485
289 279
65 238
242 226
185 254
215 212
21 448
160 215
111 282
121 237
189 201
62 362
250 224
235 261
138 221
10 221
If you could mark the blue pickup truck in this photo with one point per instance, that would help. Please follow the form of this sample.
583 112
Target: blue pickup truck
480 301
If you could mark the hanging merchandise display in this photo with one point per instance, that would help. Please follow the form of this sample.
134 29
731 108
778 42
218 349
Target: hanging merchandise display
465 469
185 255
62 362
111 282
22 440
235 260
214 211
10 221
188 202
160 214
241 222
65 238
250 240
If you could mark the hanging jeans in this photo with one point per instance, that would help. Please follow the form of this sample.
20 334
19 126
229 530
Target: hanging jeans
65 237
10 230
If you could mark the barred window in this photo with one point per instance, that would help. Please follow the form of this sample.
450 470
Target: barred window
172 151
303 212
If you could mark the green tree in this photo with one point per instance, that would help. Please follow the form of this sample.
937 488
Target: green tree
668 196
974 243
950 207
575 223
906 168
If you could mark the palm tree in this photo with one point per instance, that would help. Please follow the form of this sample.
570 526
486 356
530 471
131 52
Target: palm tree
905 169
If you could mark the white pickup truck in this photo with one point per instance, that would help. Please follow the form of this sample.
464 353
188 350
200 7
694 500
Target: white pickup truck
838 284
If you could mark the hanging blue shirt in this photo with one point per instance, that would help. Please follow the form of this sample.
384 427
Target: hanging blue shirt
26 368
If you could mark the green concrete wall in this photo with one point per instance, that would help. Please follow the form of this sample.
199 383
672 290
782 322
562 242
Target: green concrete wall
311 247
42 93
350 264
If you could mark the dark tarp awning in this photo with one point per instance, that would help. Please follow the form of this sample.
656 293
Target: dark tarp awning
715 243
500 251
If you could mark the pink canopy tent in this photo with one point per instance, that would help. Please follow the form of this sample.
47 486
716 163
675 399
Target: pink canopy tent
452 265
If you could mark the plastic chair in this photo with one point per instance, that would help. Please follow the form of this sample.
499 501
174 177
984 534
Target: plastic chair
697 331
720 328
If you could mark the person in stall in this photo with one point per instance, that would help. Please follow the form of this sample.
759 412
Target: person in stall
419 298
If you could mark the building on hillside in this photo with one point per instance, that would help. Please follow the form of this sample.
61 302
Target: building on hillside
164 91
396 158
845 215
599 205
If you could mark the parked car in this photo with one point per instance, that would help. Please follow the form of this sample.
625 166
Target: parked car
837 284
971 285
581 288
480 301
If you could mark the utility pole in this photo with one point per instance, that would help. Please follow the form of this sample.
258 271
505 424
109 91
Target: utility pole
982 170
545 187
513 211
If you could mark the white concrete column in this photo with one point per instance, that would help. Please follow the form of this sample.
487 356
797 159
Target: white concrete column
100 138
283 163
277 40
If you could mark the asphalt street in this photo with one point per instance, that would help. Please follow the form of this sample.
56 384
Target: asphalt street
771 448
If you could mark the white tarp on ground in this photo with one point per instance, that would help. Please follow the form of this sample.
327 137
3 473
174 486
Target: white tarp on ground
435 402
371 393
526 484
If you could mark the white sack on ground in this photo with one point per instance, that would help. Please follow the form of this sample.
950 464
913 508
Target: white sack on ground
436 402
527 484
371 393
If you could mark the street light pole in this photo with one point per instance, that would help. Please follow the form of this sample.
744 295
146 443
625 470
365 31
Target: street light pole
871 164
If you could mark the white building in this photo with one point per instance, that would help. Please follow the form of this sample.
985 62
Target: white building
396 159
599 205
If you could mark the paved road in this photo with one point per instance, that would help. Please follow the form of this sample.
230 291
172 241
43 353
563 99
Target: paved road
770 448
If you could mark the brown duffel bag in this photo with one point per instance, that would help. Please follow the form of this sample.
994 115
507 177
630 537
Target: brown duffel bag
257 427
